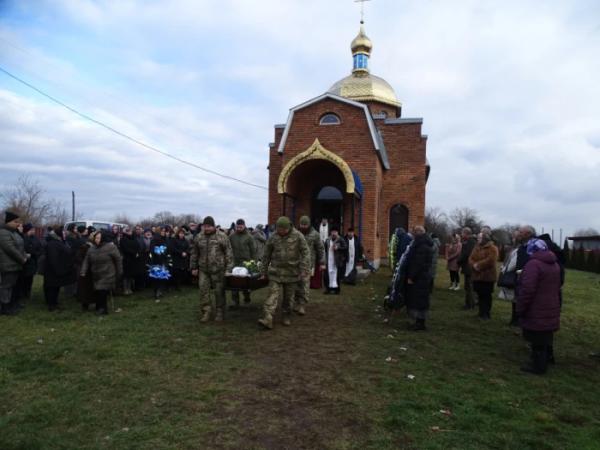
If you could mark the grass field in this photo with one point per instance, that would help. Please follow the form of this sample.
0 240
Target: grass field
152 377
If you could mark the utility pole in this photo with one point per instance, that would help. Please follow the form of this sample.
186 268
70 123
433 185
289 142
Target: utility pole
73 206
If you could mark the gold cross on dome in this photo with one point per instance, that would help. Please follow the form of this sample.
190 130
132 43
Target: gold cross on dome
362 9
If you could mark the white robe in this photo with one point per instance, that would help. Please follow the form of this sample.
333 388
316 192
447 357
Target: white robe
331 267
324 232
351 256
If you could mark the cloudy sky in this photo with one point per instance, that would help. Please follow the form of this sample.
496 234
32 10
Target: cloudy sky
509 93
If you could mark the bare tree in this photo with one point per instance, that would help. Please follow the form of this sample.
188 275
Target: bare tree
586 232
466 217
164 218
122 218
28 198
436 222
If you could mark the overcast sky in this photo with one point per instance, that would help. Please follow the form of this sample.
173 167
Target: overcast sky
509 92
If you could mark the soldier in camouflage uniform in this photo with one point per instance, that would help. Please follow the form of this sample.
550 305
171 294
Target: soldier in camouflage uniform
210 259
286 261
244 249
317 256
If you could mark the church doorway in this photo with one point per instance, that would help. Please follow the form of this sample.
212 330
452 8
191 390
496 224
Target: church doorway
328 203
398 218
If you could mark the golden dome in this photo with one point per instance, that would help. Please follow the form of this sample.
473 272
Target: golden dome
362 86
361 43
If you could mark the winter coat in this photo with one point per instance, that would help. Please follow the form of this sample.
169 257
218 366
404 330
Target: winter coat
452 253
12 250
463 260
286 257
260 239
133 258
177 247
211 253
435 256
398 243
34 247
339 253
418 270
106 265
243 247
316 248
59 268
538 303
485 257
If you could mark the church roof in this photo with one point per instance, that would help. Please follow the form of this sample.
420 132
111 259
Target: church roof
375 135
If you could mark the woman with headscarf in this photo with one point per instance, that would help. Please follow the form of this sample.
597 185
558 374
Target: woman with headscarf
104 260
58 268
538 304
483 264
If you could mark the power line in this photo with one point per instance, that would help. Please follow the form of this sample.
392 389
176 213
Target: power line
126 136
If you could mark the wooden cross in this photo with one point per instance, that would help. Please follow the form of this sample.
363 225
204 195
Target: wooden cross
362 9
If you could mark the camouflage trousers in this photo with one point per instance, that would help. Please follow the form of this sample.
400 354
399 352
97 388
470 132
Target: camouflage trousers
302 293
211 283
277 290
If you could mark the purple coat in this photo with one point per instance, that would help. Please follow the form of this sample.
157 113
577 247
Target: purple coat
538 303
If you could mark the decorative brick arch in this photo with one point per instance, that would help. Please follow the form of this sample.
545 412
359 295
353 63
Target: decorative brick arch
315 151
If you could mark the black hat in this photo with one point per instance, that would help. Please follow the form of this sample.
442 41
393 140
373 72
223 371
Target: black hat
27 227
240 222
208 220
81 229
9 216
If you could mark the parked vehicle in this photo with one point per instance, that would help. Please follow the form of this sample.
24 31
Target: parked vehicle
97 224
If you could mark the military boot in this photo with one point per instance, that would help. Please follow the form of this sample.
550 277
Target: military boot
205 315
219 315
286 320
266 322
299 310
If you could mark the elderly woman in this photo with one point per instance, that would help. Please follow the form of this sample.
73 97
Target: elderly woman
104 261
538 304
483 264
58 268
508 279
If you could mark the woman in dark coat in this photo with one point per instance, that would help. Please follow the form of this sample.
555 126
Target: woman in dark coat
483 261
418 277
179 248
133 260
33 247
58 267
104 261
538 304
85 283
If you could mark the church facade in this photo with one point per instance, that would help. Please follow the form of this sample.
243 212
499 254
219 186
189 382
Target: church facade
348 156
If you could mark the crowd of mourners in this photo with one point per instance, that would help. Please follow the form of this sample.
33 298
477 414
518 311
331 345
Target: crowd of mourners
92 264
531 278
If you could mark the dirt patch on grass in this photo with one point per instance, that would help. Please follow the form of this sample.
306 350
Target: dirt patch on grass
300 393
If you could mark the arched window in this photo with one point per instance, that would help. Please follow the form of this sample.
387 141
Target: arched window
330 119
330 193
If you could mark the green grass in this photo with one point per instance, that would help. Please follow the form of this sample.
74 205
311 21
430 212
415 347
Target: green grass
152 377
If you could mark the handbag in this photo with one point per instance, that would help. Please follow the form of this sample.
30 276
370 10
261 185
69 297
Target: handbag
507 280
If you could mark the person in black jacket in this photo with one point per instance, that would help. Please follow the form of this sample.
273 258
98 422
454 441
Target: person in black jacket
468 244
159 256
418 277
133 260
33 247
179 248
58 267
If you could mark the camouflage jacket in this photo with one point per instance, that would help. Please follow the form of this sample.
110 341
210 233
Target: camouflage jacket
243 246
211 253
315 245
286 257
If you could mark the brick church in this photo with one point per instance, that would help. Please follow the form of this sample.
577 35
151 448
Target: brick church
348 156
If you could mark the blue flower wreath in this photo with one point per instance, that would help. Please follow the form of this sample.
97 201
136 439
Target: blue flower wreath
159 272
160 249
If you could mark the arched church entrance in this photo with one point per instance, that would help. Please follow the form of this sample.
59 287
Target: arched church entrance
398 218
328 203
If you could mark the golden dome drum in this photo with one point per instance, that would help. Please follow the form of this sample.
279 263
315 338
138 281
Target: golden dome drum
362 86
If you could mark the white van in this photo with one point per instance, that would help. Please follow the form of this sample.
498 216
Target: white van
97 224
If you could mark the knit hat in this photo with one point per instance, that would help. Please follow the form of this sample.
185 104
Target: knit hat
284 222
304 220
535 245
9 216
208 220
27 227
81 229
240 222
